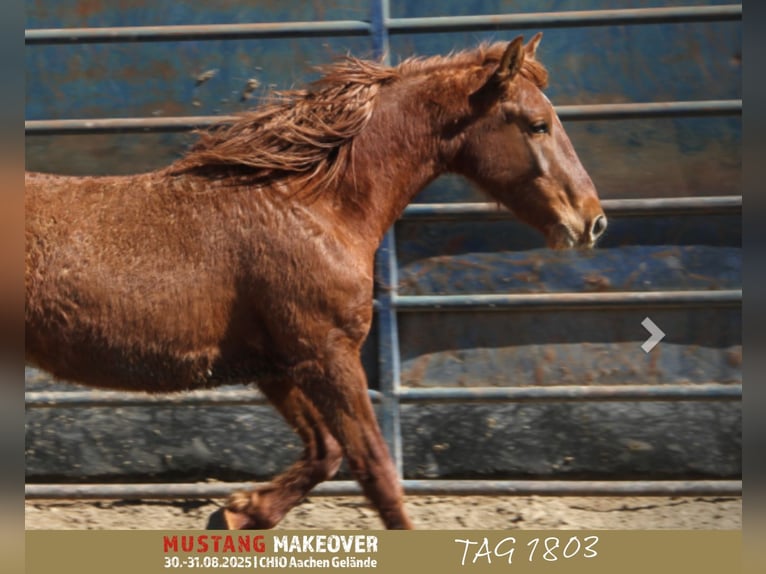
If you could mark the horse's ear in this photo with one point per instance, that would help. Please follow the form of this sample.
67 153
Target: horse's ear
493 87
512 60
531 47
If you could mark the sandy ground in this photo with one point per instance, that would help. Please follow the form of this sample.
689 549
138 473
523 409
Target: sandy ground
427 512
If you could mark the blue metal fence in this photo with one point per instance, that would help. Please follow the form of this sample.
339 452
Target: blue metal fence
388 302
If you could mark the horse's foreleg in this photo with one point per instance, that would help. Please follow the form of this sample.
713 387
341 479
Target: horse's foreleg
342 399
321 458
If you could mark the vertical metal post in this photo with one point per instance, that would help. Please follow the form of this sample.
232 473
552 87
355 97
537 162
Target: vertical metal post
385 263
389 370
380 14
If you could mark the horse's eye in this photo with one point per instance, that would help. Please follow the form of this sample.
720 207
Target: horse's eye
539 128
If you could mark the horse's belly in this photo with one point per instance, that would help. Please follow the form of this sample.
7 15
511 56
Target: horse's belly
156 343
141 370
111 331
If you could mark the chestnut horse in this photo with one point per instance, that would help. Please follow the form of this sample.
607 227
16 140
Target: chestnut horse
250 259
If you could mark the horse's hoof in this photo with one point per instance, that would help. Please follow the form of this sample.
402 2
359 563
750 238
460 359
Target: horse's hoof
242 512
225 519
238 521
217 521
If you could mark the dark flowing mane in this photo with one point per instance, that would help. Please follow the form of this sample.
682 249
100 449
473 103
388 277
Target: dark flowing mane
306 134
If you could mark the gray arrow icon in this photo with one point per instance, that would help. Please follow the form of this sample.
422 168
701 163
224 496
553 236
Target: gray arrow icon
655 335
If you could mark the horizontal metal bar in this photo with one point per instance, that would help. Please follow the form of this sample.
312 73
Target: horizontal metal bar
663 206
123 125
566 19
666 206
575 393
186 123
180 33
440 24
216 398
570 301
412 487
624 111
568 393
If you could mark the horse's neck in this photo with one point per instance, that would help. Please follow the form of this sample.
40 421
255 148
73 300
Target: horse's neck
394 158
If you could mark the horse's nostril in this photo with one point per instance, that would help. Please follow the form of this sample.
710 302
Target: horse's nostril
599 226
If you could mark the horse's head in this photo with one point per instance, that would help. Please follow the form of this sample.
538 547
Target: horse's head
514 146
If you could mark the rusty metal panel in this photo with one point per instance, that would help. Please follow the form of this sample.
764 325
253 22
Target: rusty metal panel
603 64
162 79
172 78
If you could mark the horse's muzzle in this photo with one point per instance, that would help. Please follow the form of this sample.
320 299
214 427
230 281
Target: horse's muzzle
562 236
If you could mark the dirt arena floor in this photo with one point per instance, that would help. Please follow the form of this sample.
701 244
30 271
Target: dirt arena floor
427 512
